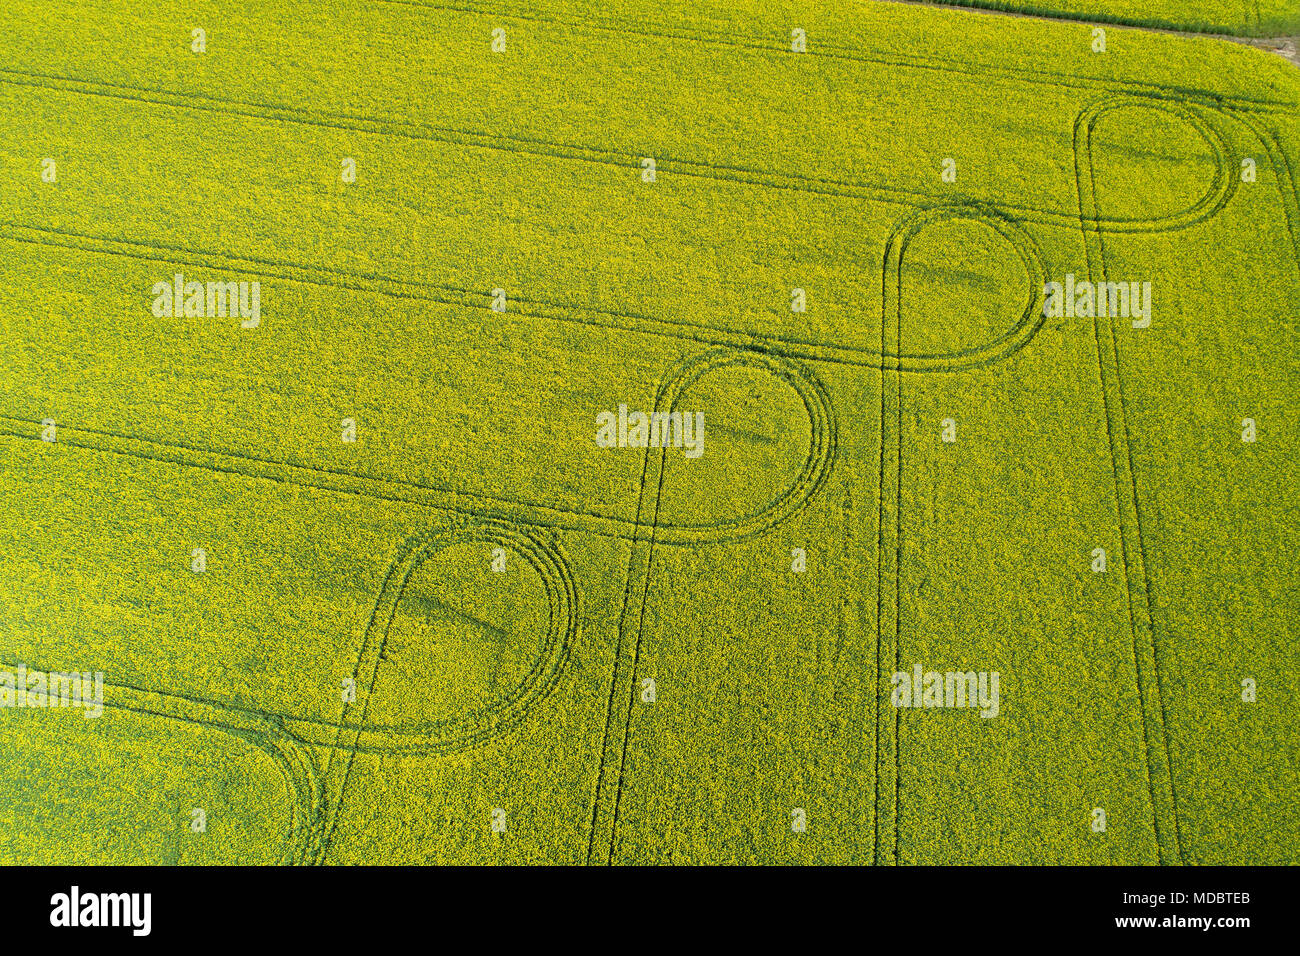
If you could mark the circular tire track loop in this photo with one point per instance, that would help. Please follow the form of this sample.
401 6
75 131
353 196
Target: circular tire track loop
353 733
1027 323
822 445
509 707
1221 189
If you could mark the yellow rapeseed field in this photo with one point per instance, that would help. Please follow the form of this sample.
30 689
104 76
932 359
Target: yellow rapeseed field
678 432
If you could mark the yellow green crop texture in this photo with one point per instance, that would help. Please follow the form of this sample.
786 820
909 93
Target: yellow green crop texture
473 634
1242 17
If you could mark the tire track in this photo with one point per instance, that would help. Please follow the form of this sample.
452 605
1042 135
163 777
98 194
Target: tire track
592 317
890 490
776 45
517 144
604 843
431 497
480 725
264 731
1136 575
